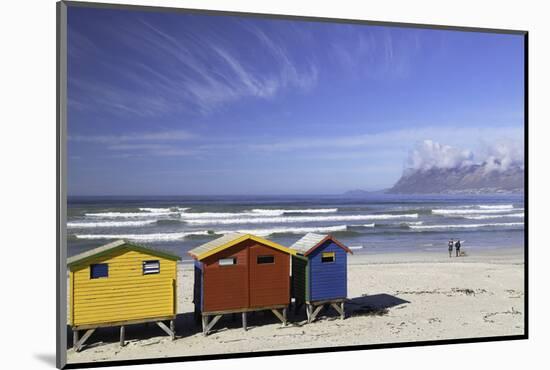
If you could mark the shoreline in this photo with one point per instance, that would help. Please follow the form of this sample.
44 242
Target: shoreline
494 255
366 256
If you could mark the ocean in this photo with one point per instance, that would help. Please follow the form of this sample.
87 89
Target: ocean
371 224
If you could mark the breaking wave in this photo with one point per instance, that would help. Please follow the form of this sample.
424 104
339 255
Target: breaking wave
144 237
456 211
502 206
156 210
182 235
465 226
258 212
148 214
288 230
486 217
364 225
412 223
182 212
286 211
244 220
106 224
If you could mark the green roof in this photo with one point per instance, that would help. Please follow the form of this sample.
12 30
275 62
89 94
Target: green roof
119 244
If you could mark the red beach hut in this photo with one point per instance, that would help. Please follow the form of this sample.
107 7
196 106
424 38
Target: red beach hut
240 273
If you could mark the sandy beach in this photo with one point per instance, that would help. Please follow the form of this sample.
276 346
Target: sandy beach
393 297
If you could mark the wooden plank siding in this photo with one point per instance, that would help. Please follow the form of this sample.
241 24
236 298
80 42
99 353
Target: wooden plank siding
269 282
197 287
126 294
300 283
226 287
245 284
328 280
71 294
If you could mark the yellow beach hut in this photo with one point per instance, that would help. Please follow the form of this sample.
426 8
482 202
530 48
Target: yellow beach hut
119 284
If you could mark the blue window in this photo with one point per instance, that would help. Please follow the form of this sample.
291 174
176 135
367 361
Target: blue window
99 270
151 267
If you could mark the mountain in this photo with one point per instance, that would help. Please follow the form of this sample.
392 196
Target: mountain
467 179
363 193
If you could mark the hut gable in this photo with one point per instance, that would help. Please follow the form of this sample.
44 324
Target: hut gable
229 240
121 282
105 250
311 241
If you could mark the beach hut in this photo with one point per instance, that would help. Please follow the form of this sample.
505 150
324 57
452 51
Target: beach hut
240 273
119 284
319 274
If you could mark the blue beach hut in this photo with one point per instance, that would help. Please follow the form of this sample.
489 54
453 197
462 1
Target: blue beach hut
319 274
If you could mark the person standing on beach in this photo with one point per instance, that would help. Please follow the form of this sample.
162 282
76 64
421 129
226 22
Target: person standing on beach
457 247
451 242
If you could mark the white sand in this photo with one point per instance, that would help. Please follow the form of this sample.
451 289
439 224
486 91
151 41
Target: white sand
415 297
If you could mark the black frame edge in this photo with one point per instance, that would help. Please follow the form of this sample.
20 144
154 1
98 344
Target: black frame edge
526 180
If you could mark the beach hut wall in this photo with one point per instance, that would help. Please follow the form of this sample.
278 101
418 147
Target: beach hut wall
300 278
328 280
241 271
121 283
319 269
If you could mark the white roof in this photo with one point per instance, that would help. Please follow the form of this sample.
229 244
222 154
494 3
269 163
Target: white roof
307 242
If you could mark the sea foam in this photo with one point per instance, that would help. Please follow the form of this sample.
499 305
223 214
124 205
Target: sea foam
287 230
487 217
462 211
465 226
130 214
501 206
107 224
143 237
182 235
294 219
257 212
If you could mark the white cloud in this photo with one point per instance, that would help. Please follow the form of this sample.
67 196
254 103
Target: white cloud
502 155
430 154
499 155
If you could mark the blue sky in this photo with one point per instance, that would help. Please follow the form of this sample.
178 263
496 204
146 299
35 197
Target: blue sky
180 104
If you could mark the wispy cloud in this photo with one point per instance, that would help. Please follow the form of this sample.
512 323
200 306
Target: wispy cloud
161 143
392 139
180 69
375 52
289 75
175 135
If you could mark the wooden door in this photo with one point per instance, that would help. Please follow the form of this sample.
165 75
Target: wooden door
269 276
